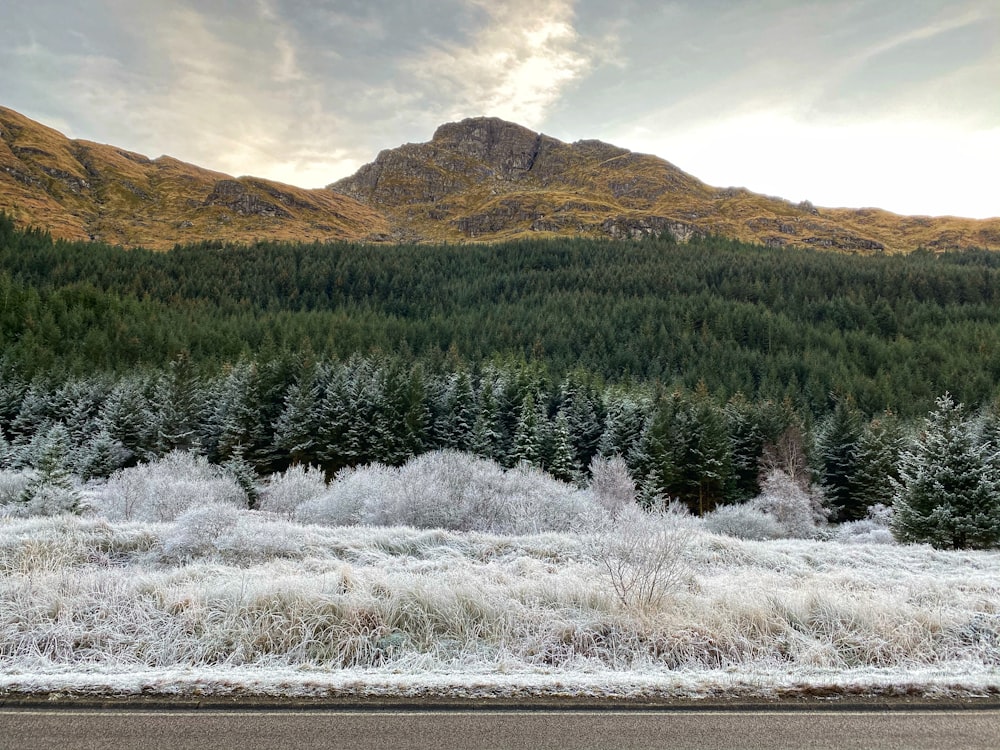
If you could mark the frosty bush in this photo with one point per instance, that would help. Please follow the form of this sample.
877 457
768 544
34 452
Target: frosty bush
285 492
443 489
346 497
612 484
13 484
875 528
532 501
642 555
450 490
796 510
164 489
743 522
196 531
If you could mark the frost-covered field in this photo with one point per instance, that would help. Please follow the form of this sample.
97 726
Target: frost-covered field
244 602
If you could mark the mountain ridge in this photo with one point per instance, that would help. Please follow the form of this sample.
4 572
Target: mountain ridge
481 179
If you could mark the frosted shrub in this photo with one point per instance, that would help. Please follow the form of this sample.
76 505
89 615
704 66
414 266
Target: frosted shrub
795 509
873 529
164 489
612 484
443 489
642 555
533 501
13 484
743 522
451 490
286 491
196 531
346 497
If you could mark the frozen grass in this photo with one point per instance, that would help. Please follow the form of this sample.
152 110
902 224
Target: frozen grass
231 601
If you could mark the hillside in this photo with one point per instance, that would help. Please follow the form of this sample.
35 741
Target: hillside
83 190
481 180
487 179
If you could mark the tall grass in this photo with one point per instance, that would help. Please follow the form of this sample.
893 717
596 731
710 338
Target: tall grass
258 593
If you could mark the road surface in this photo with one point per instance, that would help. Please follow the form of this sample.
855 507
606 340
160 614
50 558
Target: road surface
185 729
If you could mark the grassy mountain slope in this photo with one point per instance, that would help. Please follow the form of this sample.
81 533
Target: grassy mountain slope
487 179
481 179
83 190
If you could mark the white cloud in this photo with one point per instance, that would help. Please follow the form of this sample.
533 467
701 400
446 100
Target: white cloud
516 66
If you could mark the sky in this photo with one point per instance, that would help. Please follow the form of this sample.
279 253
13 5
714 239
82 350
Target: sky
840 102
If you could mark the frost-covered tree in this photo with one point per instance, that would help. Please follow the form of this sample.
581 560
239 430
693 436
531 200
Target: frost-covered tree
177 406
948 493
243 474
529 438
298 427
624 423
52 489
582 408
486 440
101 456
797 510
455 412
127 416
562 462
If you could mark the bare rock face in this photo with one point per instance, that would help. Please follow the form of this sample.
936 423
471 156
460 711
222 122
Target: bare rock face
505 148
237 197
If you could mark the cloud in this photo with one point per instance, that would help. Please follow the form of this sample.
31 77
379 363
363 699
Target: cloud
517 65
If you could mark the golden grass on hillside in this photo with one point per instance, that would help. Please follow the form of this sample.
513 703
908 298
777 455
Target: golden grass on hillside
456 188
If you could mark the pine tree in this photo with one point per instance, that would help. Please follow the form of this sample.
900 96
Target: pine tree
297 429
562 464
334 422
51 490
240 470
177 407
948 493
582 408
529 438
101 456
878 461
838 452
127 417
486 440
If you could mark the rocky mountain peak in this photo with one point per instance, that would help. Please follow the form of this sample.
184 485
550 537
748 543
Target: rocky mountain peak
506 146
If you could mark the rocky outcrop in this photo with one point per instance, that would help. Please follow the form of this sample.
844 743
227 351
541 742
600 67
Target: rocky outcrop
236 197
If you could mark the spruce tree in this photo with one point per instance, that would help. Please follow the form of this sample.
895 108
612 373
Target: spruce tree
948 493
838 452
878 461
563 463
51 490
529 439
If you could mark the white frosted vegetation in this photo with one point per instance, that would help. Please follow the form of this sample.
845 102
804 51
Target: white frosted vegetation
452 574
223 597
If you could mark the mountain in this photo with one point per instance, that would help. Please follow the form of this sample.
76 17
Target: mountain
482 179
487 179
83 190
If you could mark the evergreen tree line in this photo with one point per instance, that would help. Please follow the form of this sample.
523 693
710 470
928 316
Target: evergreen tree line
261 418
773 324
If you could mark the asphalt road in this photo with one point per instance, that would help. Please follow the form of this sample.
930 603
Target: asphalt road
93 729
